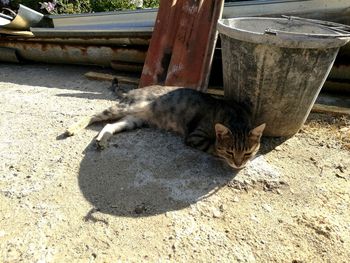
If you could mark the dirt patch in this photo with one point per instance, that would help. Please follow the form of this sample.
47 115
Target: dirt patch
150 198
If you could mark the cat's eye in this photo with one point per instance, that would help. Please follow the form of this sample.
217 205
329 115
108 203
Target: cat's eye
247 155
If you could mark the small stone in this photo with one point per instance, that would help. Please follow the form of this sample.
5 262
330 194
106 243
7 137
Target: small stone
267 207
173 247
254 218
235 199
222 208
2 233
344 129
140 209
278 148
216 213
312 159
340 167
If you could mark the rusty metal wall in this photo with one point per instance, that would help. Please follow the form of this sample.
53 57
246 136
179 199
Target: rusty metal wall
75 52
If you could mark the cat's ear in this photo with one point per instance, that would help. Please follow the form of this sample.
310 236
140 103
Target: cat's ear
221 131
257 131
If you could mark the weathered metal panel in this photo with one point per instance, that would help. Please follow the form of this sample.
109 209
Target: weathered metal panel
75 54
182 44
104 30
104 41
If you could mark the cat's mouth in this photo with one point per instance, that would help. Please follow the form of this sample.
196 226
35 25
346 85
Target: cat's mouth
238 167
233 165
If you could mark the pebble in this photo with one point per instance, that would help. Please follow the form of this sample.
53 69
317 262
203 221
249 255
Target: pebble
312 159
267 207
278 148
216 213
2 233
222 208
254 218
345 129
235 199
340 167
140 209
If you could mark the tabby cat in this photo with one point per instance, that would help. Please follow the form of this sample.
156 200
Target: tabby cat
216 126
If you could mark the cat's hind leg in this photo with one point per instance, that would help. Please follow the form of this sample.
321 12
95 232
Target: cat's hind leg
112 113
129 122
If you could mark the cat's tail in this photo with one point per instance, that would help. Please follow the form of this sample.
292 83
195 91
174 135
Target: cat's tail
112 113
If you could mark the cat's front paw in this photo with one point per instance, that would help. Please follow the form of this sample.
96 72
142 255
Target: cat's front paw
103 137
101 144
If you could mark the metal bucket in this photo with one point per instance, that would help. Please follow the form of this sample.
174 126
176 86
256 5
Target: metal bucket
280 65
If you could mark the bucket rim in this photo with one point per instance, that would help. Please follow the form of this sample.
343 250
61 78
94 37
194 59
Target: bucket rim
283 38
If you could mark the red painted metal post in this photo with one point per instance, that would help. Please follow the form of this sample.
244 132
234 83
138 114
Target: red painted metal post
182 45
161 45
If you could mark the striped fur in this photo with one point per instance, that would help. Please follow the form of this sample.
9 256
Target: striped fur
215 126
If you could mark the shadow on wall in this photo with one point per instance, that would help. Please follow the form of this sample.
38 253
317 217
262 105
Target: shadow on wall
148 173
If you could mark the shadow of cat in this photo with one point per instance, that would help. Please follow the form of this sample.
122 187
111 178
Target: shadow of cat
147 172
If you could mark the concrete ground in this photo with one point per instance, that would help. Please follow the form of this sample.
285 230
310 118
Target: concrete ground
150 198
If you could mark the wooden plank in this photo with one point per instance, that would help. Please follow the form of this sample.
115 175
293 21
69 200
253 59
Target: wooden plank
330 109
215 92
109 77
182 44
99 76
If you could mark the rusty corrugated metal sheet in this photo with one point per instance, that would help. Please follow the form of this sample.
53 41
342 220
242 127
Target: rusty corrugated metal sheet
95 40
51 52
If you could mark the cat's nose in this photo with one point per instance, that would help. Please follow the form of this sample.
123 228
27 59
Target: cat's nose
239 164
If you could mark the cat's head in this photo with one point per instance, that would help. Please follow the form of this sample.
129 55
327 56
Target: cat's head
238 147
